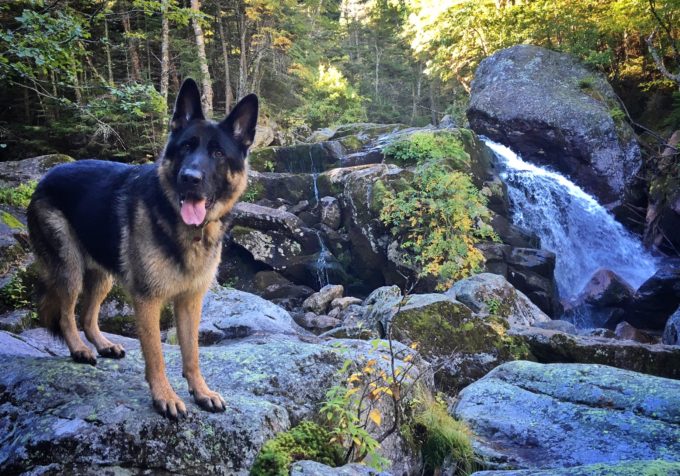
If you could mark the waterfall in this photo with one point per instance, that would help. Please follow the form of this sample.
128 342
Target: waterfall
572 224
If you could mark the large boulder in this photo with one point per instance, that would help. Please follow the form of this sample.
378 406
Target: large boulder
532 416
487 293
19 172
231 314
554 111
606 289
551 345
671 333
627 468
58 417
463 346
657 298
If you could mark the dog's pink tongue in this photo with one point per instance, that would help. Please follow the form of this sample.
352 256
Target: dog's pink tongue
193 211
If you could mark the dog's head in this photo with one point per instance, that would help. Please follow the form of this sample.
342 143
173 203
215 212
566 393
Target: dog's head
204 163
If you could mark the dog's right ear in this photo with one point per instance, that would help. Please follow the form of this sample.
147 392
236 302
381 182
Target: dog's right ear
187 107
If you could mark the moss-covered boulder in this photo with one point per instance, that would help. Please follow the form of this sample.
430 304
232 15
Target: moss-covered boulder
492 294
19 172
627 468
526 415
550 346
465 346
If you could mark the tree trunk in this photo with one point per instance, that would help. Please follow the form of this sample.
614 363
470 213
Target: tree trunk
243 57
107 49
165 52
135 72
225 57
207 93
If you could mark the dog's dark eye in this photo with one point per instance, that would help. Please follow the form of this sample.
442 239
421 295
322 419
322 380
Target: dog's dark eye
218 154
186 147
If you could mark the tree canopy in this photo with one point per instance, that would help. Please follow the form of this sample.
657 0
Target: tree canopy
96 77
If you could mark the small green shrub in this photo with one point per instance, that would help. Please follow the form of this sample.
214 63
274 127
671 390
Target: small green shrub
423 146
494 305
438 220
18 196
253 193
440 437
305 441
19 292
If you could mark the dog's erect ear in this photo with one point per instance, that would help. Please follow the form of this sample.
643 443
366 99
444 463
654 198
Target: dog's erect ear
241 122
188 105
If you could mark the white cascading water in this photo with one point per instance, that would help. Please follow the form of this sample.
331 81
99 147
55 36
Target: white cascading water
570 223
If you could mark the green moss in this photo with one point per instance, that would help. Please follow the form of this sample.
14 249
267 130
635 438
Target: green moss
441 437
11 221
260 159
18 196
55 159
351 143
253 193
307 441
424 146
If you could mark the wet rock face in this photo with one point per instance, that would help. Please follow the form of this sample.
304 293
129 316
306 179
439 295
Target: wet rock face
657 298
59 417
534 416
555 345
554 111
671 333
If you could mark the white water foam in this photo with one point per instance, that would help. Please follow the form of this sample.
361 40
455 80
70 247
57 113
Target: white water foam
572 224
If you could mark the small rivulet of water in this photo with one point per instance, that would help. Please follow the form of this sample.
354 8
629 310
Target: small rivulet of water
572 224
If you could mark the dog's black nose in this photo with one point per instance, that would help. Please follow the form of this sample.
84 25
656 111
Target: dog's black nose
190 176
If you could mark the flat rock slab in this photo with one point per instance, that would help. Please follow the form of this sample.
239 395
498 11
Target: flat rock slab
534 416
553 346
59 417
634 468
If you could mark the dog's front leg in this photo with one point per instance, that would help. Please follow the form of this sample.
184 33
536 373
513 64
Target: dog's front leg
188 315
166 401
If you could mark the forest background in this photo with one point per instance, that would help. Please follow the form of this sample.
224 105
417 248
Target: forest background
94 78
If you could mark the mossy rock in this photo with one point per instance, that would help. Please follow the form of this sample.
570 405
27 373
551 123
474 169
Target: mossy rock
448 332
260 159
307 441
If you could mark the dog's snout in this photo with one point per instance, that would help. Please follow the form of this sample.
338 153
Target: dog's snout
190 176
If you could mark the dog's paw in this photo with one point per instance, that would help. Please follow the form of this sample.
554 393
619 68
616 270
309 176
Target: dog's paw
210 401
170 407
84 356
116 351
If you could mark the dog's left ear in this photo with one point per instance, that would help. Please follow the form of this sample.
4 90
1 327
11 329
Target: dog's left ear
241 122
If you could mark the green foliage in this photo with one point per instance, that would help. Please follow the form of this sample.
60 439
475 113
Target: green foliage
306 441
330 100
422 146
456 36
18 292
349 407
439 219
441 437
135 114
253 193
673 119
494 305
18 196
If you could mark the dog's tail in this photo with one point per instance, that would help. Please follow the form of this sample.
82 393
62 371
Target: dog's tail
49 311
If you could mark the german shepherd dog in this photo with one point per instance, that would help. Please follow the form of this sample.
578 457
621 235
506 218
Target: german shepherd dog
156 228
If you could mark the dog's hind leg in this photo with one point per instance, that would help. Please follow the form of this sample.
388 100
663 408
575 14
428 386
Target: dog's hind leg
62 266
97 285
